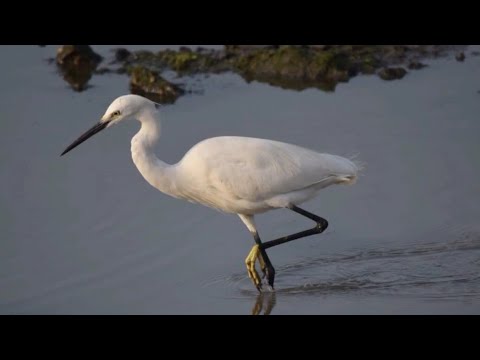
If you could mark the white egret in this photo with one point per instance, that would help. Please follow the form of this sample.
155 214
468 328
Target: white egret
237 175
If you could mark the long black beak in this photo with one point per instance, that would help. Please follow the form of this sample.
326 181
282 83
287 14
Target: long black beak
96 129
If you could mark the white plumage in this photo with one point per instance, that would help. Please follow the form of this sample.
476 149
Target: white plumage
249 176
240 175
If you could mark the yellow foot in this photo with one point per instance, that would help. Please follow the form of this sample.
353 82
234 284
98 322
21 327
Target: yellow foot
252 271
264 300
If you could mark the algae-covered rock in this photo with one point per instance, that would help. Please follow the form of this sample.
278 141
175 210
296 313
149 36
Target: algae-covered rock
71 54
77 63
150 84
288 66
292 66
187 62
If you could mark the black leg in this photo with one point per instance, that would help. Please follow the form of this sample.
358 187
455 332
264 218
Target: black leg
269 270
322 224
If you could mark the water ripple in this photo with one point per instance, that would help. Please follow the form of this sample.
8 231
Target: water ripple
429 270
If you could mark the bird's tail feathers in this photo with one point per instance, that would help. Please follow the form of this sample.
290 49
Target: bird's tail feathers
351 178
360 165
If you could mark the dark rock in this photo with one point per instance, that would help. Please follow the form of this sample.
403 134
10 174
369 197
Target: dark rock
71 54
416 65
460 57
122 54
150 84
475 53
392 73
77 64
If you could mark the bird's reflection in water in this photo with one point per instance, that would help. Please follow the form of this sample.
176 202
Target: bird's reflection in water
264 302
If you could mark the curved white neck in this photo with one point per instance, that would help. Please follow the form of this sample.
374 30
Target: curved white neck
157 173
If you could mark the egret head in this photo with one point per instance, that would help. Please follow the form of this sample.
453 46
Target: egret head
123 107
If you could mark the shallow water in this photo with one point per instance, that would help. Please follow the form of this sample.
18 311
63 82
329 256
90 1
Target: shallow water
85 234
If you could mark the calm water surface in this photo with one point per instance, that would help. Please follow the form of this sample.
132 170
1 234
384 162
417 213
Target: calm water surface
85 234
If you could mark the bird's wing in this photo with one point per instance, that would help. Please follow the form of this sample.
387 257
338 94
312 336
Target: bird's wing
258 169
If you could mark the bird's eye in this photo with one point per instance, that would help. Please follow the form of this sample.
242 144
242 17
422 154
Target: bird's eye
116 113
